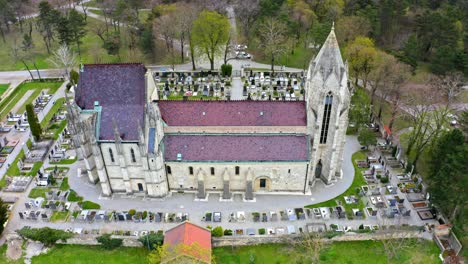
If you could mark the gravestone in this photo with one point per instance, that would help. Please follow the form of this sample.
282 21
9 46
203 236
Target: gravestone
21 215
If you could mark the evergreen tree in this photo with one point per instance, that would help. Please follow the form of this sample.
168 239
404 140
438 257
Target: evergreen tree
34 124
77 24
448 177
3 215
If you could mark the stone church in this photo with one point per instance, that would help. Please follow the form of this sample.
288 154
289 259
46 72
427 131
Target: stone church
132 142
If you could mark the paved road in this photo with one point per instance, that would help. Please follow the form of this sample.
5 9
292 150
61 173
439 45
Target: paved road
185 203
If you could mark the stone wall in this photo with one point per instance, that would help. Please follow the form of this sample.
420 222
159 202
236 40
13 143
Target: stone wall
91 240
259 239
282 176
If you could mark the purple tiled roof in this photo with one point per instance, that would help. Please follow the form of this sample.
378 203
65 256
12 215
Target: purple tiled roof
120 90
236 147
233 113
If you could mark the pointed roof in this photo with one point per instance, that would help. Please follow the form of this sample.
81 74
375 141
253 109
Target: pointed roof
329 56
188 234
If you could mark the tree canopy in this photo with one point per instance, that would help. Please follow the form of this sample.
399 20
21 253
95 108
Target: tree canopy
210 32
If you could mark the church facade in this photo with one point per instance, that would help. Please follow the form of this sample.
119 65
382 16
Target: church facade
131 142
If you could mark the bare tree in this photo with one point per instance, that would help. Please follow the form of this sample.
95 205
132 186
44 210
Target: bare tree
17 55
450 85
185 16
398 75
84 7
65 59
311 242
381 73
247 13
272 34
393 236
190 13
428 118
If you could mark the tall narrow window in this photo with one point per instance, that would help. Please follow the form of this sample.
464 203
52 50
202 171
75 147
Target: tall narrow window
326 118
111 155
132 153
237 170
168 170
212 171
190 170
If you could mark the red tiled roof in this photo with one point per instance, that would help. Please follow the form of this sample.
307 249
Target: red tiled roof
233 113
236 147
187 234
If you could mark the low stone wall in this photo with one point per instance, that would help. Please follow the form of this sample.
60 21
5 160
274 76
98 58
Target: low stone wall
258 239
254 240
92 240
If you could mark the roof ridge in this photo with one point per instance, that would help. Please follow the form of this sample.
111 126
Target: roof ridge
116 64
226 101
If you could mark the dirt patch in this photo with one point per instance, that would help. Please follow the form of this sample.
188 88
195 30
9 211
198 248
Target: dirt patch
14 249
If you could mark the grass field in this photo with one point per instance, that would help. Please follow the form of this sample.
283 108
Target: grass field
78 254
8 103
64 185
59 216
65 161
38 192
91 49
358 181
55 108
339 252
3 88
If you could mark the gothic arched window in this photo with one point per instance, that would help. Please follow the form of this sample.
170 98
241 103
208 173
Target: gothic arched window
326 118
111 154
132 153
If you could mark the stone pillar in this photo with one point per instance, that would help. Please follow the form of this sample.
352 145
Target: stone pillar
226 190
101 172
249 185
201 184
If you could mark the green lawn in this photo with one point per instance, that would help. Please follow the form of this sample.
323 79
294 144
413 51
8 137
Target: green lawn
299 59
38 192
339 252
8 103
36 167
91 49
86 205
14 170
55 108
64 185
74 197
358 181
3 88
59 216
84 254
65 161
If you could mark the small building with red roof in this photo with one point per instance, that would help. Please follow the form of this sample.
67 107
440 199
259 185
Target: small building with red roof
187 243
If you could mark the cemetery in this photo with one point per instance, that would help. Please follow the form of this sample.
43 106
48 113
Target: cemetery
261 85
192 85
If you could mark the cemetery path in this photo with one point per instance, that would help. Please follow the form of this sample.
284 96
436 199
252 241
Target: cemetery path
22 101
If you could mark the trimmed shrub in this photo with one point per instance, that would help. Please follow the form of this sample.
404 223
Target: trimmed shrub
152 241
217 232
228 232
261 231
144 215
226 69
132 212
108 242
384 180
46 235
